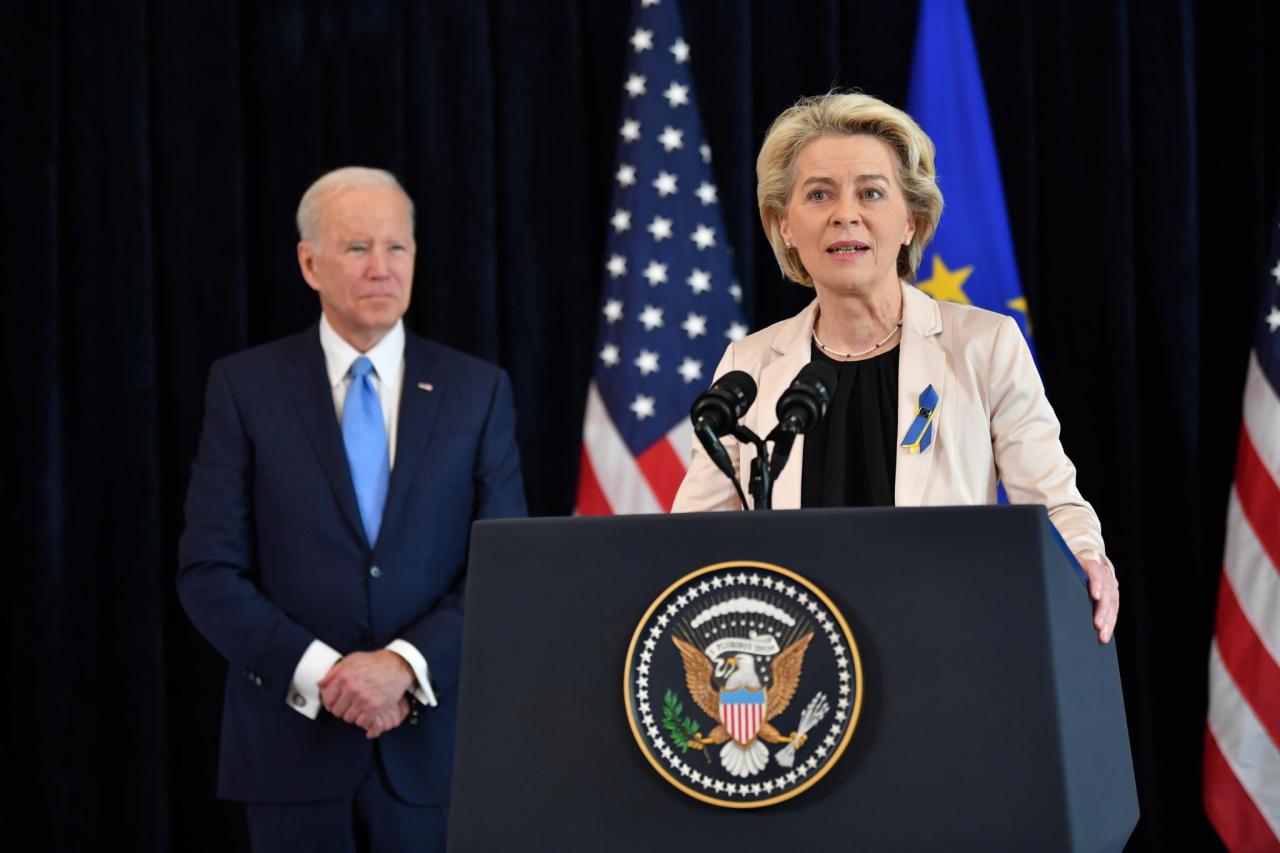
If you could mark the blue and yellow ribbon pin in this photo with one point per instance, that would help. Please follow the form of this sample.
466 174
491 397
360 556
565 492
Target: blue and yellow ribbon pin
920 434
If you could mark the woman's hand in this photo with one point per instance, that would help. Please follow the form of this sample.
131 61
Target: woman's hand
1104 589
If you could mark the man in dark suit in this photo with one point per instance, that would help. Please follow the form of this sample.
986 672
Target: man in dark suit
328 519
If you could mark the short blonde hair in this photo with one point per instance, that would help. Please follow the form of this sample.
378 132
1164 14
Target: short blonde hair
332 183
847 113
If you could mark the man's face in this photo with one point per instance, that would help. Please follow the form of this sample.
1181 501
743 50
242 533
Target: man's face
360 261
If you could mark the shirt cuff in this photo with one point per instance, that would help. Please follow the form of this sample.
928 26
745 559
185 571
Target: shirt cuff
304 690
422 673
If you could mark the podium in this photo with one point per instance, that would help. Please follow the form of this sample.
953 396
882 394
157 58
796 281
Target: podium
991 717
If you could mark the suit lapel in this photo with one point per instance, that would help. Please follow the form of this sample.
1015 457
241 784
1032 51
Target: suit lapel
313 398
922 363
793 352
418 410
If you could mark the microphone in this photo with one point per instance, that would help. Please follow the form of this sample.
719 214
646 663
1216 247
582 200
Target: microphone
805 402
800 408
720 406
716 412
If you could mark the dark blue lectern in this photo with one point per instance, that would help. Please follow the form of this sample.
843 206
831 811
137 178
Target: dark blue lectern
992 719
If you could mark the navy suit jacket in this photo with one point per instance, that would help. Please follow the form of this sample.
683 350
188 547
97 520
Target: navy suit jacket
274 556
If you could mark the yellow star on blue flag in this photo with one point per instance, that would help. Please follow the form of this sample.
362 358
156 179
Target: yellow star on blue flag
971 258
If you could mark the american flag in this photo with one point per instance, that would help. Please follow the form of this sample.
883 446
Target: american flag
670 303
1242 737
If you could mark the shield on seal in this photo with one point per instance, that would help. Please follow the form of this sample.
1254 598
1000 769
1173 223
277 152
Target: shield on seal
741 713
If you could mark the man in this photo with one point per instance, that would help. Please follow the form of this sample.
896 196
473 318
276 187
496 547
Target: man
328 518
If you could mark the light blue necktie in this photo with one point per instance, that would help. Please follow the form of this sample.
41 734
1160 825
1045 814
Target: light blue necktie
365 436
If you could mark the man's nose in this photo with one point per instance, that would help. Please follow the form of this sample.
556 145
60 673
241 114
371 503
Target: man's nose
378 263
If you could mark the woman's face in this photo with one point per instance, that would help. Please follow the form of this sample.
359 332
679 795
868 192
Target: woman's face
847 215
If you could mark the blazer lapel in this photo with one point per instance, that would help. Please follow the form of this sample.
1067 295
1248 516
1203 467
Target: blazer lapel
921 363
793 352
313 398
420 399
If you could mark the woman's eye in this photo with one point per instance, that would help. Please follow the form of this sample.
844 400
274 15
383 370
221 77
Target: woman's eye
819 195
872 193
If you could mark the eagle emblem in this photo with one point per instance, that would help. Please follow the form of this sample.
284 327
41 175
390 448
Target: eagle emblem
743 706
718 672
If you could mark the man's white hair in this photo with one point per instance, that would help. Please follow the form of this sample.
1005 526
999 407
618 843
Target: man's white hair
331 183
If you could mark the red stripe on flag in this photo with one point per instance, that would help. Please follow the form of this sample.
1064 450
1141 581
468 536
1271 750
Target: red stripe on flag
1252 668
1259 497
591 500
663 470
1230 808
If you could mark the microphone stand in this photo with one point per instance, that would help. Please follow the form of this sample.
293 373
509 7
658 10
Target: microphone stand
761 484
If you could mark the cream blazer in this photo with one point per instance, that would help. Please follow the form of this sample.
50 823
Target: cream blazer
992 421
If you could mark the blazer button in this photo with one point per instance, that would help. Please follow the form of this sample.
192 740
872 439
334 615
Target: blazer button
257 679
375 572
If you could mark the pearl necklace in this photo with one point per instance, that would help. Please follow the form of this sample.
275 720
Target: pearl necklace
859 353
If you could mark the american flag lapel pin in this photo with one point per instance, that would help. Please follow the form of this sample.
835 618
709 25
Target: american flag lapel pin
426 386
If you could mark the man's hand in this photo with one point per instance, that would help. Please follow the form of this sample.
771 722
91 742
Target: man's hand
1104 589
381 723
367 689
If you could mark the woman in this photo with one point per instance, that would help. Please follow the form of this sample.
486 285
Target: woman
849 199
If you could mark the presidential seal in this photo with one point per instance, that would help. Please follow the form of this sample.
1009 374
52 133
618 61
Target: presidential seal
743 684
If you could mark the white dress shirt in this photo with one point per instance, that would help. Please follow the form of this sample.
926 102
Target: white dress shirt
388 376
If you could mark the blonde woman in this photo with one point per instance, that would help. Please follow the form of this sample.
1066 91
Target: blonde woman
849 199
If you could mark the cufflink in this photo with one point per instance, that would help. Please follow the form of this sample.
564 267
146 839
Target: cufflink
299 700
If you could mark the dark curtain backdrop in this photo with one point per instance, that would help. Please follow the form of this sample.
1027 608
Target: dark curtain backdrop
153 154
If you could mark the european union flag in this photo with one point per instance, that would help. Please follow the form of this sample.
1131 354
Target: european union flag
971 258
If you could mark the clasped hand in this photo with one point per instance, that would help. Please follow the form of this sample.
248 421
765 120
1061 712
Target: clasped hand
367 689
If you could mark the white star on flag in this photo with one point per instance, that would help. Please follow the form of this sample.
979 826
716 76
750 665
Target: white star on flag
626 175
736 332
695 325
704 237
621 220
705 150
660 228
671 138
676 95
656 273
643 407
642 40
735 290
1275 271
647 362
651 318
706 193
690 370
635 85
665 184
680 51
617 266
613 310
1273 318
699 280
609 355
630 130
645 4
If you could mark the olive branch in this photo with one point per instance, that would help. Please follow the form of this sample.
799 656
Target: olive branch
681 729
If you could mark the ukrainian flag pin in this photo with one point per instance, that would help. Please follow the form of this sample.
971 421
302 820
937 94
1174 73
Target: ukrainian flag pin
920 434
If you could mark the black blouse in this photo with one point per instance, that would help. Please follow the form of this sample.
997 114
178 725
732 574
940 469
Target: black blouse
849 457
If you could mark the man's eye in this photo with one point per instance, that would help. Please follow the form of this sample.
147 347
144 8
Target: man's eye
357 248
